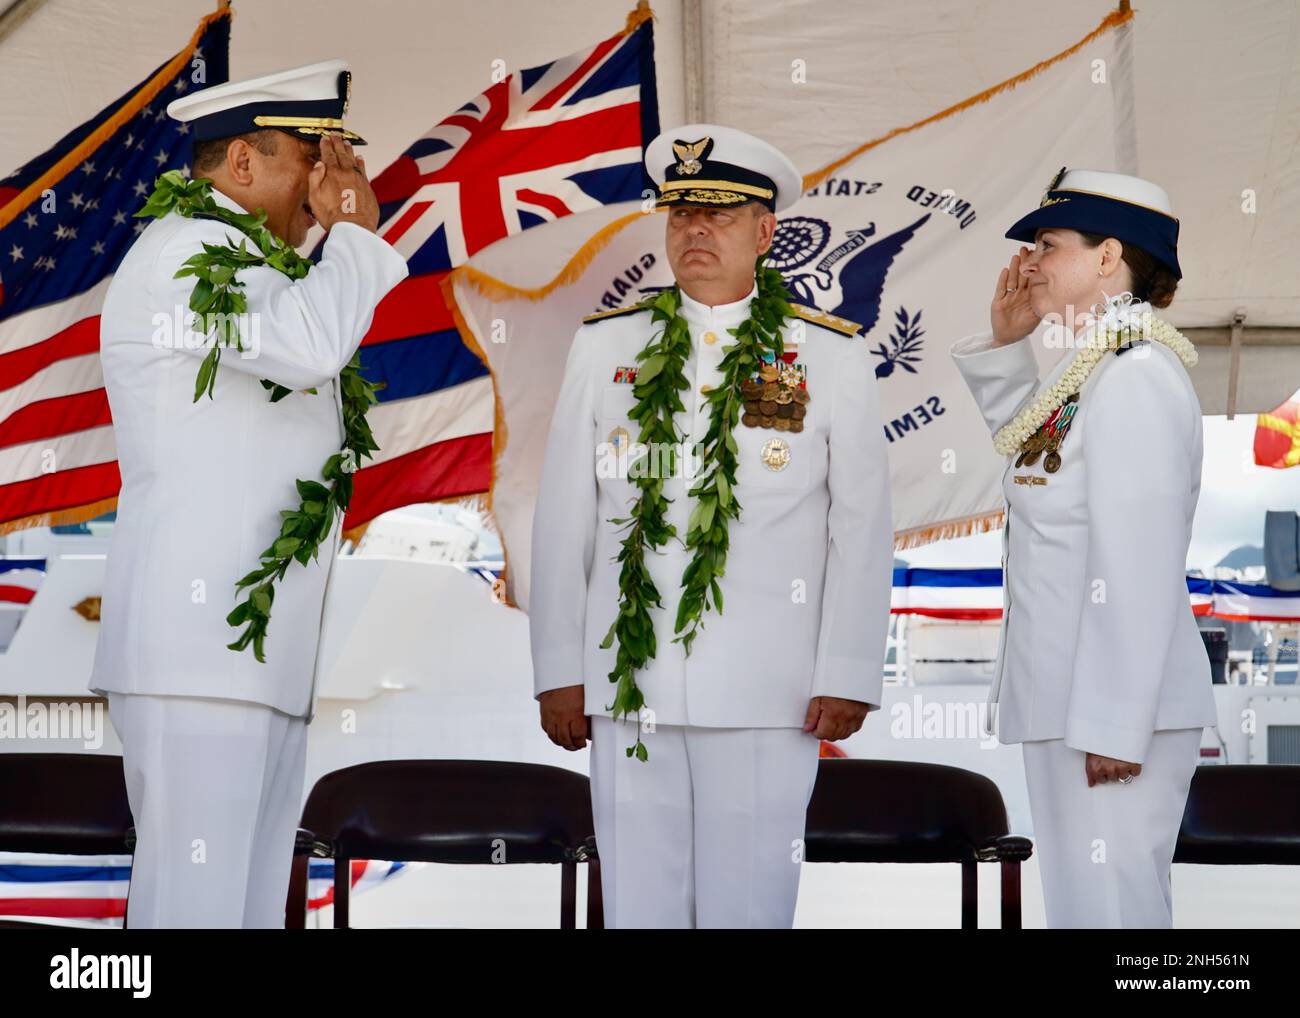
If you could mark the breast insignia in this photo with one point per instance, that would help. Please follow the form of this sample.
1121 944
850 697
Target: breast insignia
1129 346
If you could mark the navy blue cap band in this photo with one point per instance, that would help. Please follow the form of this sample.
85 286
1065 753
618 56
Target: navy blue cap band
1154 232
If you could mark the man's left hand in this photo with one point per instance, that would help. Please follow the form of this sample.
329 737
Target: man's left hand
832 719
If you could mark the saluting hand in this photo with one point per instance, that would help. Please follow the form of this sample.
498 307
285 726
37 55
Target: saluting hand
1011 314
1105 769
832 718
338 189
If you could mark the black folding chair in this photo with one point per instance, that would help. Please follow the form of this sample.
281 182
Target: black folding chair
897 811
450 811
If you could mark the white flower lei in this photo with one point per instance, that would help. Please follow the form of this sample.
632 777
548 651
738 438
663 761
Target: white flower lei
1115 323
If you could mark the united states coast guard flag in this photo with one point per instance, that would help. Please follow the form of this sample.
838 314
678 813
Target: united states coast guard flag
904 235
66 220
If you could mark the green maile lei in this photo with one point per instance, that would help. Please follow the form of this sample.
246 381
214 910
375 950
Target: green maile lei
218 301
659 380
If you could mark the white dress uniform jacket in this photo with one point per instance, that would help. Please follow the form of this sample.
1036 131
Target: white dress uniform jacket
808 575
1099 646
203 482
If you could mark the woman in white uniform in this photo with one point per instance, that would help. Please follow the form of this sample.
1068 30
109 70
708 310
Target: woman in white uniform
1101 671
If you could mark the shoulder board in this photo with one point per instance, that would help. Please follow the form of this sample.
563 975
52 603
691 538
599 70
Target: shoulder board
614 313
826 320
1129 346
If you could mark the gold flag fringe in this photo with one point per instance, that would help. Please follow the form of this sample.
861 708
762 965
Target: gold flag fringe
981 523
60 517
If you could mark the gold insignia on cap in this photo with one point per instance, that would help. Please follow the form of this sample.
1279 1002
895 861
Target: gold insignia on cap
347 90
776 454
688 155
1052 187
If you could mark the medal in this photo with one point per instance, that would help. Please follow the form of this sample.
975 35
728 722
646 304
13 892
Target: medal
776 454
777 396
1049 436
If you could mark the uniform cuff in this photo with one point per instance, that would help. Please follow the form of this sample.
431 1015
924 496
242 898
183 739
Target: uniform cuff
977 354
392 264
1107 739
557 667
850 679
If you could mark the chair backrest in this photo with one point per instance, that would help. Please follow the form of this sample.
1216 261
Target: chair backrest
900 811
1245 814
452 811
63 804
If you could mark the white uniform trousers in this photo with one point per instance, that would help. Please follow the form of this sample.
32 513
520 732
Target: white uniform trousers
1104 853
708 832
215 787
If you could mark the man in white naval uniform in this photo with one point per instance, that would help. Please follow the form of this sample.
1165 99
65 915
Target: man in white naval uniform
214 741
707 832
1102 674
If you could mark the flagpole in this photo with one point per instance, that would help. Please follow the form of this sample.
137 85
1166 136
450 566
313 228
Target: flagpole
1124 82
693 59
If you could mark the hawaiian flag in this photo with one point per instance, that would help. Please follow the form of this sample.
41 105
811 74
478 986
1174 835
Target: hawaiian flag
541 144
1277 436
66 220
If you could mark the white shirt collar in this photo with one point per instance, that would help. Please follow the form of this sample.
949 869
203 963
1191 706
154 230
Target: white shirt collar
719 314
225 201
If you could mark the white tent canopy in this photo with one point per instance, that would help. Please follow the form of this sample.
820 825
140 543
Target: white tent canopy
1216 93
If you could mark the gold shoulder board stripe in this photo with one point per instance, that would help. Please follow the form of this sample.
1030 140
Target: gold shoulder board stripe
829 321
614 312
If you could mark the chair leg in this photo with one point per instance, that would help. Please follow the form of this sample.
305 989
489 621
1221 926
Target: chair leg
568 895
595 903
342 891
1011 894
969 896
295 906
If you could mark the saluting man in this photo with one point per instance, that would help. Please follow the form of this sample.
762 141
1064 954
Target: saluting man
703 764
213 739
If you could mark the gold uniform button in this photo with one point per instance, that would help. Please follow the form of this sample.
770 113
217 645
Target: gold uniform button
710 338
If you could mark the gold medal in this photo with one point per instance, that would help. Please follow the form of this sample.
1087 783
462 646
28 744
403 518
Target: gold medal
1052 462
776 454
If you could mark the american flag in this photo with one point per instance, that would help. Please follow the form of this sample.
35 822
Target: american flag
66 220
543 143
